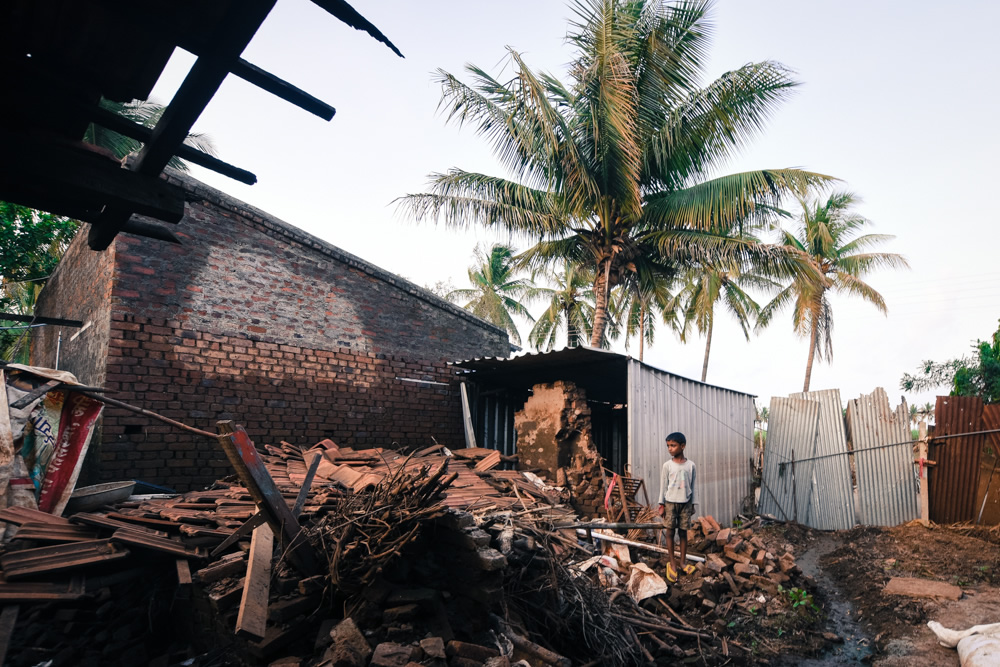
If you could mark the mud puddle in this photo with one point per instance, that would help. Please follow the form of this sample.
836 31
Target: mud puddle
856 646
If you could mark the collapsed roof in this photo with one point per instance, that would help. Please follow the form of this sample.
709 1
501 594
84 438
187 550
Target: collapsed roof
59 58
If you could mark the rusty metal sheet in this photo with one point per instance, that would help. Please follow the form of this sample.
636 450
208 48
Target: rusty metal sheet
887 486
988 493
953 482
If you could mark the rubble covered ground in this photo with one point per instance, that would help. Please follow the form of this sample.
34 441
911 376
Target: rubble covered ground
443 558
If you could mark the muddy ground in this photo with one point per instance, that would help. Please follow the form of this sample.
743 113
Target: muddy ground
852 567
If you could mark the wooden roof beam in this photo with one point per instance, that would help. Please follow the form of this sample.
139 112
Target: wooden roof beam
124 126
199 86
281 88
68 179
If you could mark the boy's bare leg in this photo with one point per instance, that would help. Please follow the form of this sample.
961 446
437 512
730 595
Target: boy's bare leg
684 547
670 548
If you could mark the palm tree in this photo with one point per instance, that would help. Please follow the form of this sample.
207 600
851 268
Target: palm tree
570 305
611 170
143 112
706 286
496 290
827 239
642 303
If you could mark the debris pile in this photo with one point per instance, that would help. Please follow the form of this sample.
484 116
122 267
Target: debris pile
384 558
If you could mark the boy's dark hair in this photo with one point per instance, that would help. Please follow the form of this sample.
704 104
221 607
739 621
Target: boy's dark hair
678 438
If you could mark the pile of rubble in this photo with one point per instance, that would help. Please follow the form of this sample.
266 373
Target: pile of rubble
382 558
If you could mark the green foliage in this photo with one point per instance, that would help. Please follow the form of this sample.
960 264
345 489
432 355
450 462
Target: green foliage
801 598
496 291
614 170
976 375
31 243
832 257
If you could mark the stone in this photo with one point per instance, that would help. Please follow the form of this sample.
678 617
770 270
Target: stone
349 648
471 651
433 647
391 654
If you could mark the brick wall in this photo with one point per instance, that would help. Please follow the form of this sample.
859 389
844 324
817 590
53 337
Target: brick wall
79 289
253 320
277 391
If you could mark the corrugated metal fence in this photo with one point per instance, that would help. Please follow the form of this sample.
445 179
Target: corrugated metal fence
718 425
808 476
953 482
883 457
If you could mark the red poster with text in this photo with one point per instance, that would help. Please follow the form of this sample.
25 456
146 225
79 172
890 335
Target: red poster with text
76 425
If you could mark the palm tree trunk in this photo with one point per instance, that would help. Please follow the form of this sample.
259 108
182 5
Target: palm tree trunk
813 339
708 348
642 329
572 335
601 289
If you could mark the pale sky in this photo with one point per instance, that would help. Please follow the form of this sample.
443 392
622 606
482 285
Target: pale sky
897 100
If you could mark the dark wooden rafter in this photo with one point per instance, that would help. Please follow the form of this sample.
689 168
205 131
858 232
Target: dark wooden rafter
132 130
38 319
69 177
62 50
349 15
202 82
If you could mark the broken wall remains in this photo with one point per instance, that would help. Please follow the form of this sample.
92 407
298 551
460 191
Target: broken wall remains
554 434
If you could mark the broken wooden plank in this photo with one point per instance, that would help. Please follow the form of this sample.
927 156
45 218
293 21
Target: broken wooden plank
252 618
46 560
35 393
247 528
183 572
158 543
227 566
307 484
102 521
488 462
251 470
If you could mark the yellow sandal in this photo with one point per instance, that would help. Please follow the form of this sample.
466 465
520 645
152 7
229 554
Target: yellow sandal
671 574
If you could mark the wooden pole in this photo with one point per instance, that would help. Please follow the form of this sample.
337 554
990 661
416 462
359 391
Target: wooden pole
922 462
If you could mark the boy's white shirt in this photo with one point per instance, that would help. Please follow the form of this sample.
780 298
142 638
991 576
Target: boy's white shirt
677 482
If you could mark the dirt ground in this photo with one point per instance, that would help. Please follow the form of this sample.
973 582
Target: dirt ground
852 567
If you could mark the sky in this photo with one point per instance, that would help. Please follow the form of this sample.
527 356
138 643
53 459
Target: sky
898 100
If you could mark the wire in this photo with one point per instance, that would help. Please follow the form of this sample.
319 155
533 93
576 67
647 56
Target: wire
21 326
701 409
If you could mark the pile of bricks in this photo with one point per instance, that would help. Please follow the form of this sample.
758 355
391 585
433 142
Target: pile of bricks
739 571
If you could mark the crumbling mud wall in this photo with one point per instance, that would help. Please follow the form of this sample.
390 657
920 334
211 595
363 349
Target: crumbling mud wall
554 434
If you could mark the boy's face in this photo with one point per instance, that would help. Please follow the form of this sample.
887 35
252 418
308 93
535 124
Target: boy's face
675 448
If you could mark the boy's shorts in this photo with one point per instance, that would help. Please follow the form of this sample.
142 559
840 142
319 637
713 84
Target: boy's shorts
678 515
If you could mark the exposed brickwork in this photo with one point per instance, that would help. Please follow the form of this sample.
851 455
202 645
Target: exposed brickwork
253 320
278 392
79 289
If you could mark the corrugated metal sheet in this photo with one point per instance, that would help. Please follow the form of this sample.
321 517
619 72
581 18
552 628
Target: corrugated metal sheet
718 425
887 487
953 481
791 432
830 499
988 493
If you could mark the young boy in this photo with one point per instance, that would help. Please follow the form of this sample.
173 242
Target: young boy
677 500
